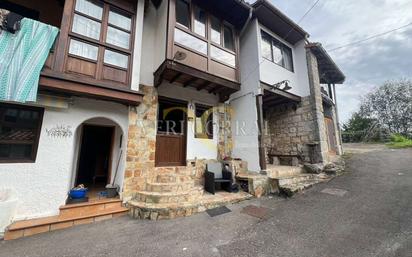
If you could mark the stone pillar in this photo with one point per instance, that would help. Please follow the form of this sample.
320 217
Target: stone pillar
317 107
141 143
225 140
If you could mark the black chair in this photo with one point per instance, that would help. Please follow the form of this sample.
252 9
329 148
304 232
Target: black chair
216 177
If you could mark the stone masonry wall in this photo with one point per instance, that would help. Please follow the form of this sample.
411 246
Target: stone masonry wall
141 145
225 143
290 129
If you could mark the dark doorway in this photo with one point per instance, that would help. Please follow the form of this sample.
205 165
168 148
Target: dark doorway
95 156
171 133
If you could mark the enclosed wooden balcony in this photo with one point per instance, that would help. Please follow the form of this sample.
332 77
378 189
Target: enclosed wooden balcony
202 45
92 55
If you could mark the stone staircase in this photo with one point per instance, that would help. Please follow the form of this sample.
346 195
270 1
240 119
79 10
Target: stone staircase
70 215
174 192
293 179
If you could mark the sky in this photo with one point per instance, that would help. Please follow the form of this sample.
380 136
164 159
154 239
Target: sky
338 22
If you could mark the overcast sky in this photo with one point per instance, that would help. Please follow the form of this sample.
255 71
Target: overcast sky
338 22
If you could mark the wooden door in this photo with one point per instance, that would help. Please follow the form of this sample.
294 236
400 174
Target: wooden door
331 135
171 134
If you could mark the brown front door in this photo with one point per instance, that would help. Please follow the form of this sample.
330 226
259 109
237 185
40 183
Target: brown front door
330 131
171 133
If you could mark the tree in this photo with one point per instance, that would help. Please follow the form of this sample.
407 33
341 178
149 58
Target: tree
357 128
391 106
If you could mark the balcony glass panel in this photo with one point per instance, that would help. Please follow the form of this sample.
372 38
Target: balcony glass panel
190 41
116 59
90 8
216 30
120 20
86 27
118 38
223 56
83 49
200 22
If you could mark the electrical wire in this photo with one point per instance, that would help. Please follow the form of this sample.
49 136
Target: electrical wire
369 38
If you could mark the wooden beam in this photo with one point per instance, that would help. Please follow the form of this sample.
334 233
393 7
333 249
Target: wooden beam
280 92
190 81
74 88
204 85
202 75
176 77
158 75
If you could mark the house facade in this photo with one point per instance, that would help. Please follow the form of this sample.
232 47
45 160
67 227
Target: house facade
143 94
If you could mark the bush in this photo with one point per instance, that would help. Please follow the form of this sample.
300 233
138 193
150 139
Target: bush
400 141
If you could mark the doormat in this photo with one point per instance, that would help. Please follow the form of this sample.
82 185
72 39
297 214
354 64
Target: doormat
257 212
218 211
334 191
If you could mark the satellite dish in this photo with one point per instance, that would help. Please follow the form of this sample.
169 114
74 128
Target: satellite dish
179 56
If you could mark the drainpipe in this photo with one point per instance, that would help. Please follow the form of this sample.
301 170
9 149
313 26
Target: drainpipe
242 31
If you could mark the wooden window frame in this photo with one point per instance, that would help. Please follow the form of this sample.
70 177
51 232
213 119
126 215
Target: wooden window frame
204 135
35 144
274 41
207 38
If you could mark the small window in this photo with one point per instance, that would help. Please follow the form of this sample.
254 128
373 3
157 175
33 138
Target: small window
183 13
19 132
90 8
276 52
216 30
228 38
204 122
86 27
116 59
84 50
200 21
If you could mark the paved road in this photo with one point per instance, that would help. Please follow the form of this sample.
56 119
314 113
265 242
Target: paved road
373 218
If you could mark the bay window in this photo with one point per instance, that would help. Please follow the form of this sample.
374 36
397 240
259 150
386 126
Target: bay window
203 33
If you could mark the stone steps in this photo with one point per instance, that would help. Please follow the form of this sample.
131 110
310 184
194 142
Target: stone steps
172 178
290 186
159 211
169 187
274 171
70 215
169 197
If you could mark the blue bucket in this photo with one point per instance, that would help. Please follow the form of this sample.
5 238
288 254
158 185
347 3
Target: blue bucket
78 193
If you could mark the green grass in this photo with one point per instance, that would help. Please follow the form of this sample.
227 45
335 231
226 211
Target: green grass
399 141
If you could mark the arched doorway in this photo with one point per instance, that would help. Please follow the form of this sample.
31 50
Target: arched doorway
99 151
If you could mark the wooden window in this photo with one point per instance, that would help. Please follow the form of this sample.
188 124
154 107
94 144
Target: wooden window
228 41
204 122
19 132
199 26
101 32
276 52
216 32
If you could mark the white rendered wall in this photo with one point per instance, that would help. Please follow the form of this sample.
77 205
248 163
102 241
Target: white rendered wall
196 147
154 41
243 103
137 52
272 73
42 186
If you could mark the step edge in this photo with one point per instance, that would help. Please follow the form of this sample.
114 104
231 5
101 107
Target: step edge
103 213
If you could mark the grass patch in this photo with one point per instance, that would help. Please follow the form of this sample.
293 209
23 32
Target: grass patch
399 141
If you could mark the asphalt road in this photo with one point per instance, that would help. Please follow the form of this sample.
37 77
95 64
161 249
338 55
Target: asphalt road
368 212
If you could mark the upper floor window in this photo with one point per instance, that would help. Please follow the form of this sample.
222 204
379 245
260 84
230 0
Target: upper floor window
100 30
196 29
276 52
19 132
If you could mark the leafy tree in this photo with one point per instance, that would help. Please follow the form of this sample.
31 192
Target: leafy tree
357 128
391 106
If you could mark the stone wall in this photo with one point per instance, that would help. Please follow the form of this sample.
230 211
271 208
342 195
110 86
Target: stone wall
290 129
141 145
225 143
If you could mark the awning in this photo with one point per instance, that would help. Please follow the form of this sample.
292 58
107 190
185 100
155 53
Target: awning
273 97
329 72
